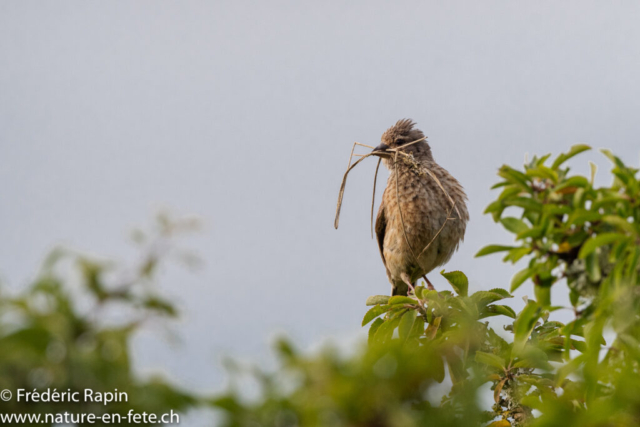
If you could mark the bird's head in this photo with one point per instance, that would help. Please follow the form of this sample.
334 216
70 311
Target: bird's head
399 137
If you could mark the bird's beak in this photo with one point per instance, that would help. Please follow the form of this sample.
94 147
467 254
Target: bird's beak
381 150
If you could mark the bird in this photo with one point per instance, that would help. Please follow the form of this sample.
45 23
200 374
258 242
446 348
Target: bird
423 216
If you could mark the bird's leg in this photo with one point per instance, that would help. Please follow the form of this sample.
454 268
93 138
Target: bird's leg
412 289
429 285
405 279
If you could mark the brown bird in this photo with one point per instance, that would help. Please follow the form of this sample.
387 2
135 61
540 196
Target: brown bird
423 216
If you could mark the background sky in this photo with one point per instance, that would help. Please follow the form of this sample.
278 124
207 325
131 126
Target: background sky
244 114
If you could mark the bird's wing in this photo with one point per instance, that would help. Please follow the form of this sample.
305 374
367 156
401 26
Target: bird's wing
381 227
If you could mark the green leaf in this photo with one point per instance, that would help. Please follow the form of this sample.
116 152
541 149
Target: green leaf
495 209
543 294
580 216
457 372
525 203
227 403
500 291
463 305
458 281
523 326
569 367
535 232
401 299
533 357
494 206
417 330
406 324
490 249
374 328
385 331
619 222
430 294
551 209
375 312
504 310
490 359
161 305
520 277
614 159
592 265
437 366
543 172
515 177
514 225
579 345
285 349
594 168
516 254
487 297
574 297
508 192
574 181
600 240
535 380
542 160
610 201
419 291
575 150
500 184
377 299
631 344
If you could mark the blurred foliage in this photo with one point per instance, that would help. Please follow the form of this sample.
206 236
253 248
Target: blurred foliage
57 333
433 359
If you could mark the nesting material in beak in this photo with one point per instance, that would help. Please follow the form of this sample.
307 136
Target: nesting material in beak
381 150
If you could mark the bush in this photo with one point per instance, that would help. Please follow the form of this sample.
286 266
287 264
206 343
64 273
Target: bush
56 335
541 372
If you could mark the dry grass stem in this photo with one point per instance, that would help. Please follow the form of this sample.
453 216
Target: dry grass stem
344 183
350 167
453 204
407 145
440 230
353 148
373 199
364 145
351 155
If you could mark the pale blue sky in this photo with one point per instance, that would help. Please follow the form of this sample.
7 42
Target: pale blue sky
244 114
